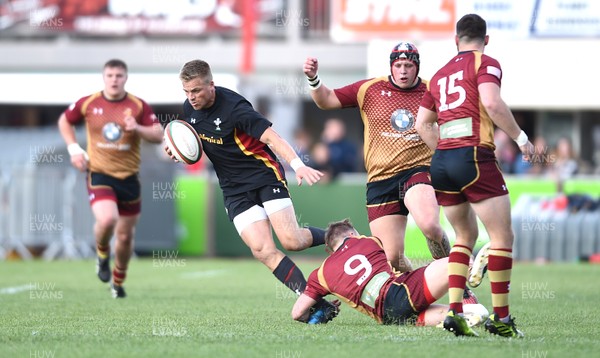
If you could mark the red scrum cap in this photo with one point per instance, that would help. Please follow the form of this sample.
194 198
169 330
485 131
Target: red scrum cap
407 51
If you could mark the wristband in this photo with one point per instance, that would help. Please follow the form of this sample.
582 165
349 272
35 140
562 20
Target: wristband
313 79
522 139
75 149
296 164
315 86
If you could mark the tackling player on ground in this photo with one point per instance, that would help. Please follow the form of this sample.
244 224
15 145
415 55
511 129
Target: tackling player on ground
457 118
116 121
242 147
358 273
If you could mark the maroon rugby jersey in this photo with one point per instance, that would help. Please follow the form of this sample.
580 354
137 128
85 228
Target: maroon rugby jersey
391 141
453 93
112 150
358 273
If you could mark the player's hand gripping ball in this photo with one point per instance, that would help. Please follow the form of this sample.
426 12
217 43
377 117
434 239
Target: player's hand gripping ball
183 142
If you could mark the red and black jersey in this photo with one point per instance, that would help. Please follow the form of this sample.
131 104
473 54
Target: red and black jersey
358 273
391 141
230 131
453 93
111 149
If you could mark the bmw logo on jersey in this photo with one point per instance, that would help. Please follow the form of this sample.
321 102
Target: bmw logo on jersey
402 120
112 132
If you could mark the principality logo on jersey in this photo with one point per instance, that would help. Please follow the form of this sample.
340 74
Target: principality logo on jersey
402 120
112 132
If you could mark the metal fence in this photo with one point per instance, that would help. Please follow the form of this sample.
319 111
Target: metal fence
44 206
546 234
43 212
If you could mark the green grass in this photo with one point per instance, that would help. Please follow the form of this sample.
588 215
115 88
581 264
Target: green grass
236 308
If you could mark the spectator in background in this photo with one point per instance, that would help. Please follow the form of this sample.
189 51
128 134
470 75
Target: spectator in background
566 163
302 144
539 162
321 161
342 152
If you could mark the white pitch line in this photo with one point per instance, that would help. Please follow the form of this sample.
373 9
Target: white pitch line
15 289
198 274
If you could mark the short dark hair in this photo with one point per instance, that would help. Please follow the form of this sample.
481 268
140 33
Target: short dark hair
337 230
194 69
471 27
116 63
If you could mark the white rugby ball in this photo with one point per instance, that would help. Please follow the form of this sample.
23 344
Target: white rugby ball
183 141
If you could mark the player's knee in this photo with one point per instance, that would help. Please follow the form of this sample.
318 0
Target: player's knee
124 236
432 230
107 222
263 252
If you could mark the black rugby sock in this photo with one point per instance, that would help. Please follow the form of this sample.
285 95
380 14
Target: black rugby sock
318 236
290 275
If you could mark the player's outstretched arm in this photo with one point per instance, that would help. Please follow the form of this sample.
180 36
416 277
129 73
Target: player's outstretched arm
323 96
284 150
301 309
427 127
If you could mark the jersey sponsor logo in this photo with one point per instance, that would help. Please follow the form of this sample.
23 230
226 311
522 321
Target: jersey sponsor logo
402 120
193 120
276 190
97 110
112 132
217 122
212 140
457 128
117 146
371 291
388 93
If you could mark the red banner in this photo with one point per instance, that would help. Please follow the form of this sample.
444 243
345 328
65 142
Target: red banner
125 17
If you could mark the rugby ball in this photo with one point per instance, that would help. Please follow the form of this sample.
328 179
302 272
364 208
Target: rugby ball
183 141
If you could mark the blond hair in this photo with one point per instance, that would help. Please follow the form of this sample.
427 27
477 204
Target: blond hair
196 69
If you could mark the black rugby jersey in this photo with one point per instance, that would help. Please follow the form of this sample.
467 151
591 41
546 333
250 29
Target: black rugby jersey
230 130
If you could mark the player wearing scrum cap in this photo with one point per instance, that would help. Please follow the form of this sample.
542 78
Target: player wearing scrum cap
396 159
116 122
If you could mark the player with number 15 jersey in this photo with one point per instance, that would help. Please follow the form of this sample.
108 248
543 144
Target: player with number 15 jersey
464 123
453 90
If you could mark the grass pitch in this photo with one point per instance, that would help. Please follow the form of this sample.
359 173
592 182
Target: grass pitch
185 307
